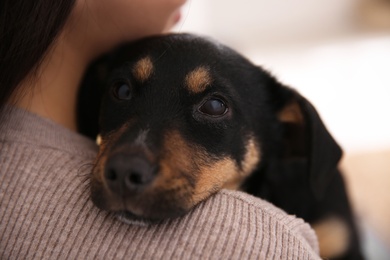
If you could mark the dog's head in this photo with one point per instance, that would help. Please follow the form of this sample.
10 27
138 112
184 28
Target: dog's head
183 117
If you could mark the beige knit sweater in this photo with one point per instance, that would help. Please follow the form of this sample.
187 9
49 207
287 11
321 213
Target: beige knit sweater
45 211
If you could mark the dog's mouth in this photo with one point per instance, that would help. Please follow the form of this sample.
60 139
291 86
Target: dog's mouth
132 219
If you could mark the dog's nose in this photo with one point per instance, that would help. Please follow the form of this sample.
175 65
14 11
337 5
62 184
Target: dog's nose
128 174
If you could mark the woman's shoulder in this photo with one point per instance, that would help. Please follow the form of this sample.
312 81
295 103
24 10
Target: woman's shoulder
19 127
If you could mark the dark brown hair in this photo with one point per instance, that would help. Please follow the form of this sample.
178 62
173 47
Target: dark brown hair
27 30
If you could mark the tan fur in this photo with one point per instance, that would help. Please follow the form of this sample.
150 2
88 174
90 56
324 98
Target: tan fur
99 140
143 69
234 184
198 80
214 177
177 154
333 237
175 163
210 174
251 159
291 113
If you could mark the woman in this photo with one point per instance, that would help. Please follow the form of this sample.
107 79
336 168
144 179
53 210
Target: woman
45 211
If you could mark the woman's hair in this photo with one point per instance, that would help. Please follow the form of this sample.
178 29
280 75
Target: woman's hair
27 30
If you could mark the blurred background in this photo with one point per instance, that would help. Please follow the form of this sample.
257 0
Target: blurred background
337 54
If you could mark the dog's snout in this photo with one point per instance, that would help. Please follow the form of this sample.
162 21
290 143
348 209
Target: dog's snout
128 174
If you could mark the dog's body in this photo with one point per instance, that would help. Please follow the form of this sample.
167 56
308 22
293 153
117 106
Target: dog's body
183 117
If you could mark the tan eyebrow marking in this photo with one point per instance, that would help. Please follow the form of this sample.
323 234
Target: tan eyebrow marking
198 79
252 157
143 69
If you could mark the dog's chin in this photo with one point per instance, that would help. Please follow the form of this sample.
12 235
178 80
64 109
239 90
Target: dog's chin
132 219
129 217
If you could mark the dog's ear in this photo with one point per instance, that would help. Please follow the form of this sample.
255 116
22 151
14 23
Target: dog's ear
305 135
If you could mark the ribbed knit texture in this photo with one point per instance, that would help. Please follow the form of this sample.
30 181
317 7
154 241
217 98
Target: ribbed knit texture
46 213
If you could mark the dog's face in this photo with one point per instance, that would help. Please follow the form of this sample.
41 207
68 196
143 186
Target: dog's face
181 118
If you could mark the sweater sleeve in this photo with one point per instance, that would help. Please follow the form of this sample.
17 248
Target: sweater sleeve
51 217
46 211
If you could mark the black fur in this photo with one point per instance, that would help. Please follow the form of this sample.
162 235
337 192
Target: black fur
298 168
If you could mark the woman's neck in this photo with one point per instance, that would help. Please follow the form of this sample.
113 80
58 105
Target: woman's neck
52 91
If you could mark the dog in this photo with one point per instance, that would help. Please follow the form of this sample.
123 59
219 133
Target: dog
182 117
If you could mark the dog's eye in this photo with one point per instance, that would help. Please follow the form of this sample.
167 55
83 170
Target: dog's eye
213 107
122 91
